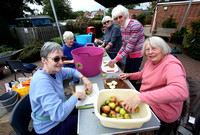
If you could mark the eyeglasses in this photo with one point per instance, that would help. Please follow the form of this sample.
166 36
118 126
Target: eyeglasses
106 22
70 39
119 17
57 59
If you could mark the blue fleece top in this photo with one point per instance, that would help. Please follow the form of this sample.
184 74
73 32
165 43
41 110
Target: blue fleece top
67 52
47 98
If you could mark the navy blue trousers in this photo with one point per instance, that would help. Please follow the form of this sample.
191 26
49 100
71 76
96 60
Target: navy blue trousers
112 55
67 127
132 65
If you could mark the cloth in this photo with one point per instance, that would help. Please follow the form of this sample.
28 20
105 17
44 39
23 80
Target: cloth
163 87
67 52
47 98
67 127
132 66
132 40
113 38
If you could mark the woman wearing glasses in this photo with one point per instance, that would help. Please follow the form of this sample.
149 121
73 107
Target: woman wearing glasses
70 45
113 38
132 39
164 85
51 112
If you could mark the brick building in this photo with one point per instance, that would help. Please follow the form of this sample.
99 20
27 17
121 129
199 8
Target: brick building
92 14
134 11
178 9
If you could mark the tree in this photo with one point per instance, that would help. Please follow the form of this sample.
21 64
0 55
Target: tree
130 6
62 8
11 9
76 14
151 7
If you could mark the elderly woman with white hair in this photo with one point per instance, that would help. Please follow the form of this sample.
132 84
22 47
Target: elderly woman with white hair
163 87
113 38
70 45
52 113
132 38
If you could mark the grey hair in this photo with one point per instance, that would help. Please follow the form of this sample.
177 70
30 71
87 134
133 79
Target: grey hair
67 34
48 48
120 10
106 18
156 41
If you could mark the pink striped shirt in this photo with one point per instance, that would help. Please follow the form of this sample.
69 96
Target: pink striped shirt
132 39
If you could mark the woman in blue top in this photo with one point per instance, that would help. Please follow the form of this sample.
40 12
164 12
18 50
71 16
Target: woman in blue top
70 45
51 112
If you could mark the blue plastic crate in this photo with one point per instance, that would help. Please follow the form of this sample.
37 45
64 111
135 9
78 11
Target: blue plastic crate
84 39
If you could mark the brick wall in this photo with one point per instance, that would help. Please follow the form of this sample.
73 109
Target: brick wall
178 11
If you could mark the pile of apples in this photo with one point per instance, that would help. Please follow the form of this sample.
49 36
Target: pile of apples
113 109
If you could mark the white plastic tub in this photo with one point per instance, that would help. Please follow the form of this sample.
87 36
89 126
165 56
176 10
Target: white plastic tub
137 120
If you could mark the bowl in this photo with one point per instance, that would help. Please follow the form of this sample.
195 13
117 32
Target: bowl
138 119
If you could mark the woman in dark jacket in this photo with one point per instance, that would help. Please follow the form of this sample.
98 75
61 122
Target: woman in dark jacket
113 38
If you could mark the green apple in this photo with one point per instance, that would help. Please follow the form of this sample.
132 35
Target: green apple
117 109
104 115
122 111
87 92
127 116
112 105
112 114
107 102
120 117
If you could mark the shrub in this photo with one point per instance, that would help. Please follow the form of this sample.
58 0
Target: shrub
57 40
170 23
31 53
179 35
81 24
193 38
5 48
141 18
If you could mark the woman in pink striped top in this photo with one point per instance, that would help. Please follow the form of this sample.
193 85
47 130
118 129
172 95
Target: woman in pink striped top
132 40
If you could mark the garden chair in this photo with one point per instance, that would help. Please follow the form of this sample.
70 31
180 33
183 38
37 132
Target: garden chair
21 116
16 66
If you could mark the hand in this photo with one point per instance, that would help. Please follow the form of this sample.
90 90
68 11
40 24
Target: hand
71 61
124 76
80 95
87 84
131 103
112 62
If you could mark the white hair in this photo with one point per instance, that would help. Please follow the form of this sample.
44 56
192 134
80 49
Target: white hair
67 34
120 10
106 18
156 41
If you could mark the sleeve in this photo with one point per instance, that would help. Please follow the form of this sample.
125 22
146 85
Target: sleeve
115 35
129 45
136 75
50 102
175 90
69 73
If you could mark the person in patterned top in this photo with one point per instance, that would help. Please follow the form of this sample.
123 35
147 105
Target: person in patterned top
132 40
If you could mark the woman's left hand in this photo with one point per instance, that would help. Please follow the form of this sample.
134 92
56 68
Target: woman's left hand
131 103
87 83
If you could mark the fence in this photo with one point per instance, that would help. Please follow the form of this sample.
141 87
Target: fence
24 36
